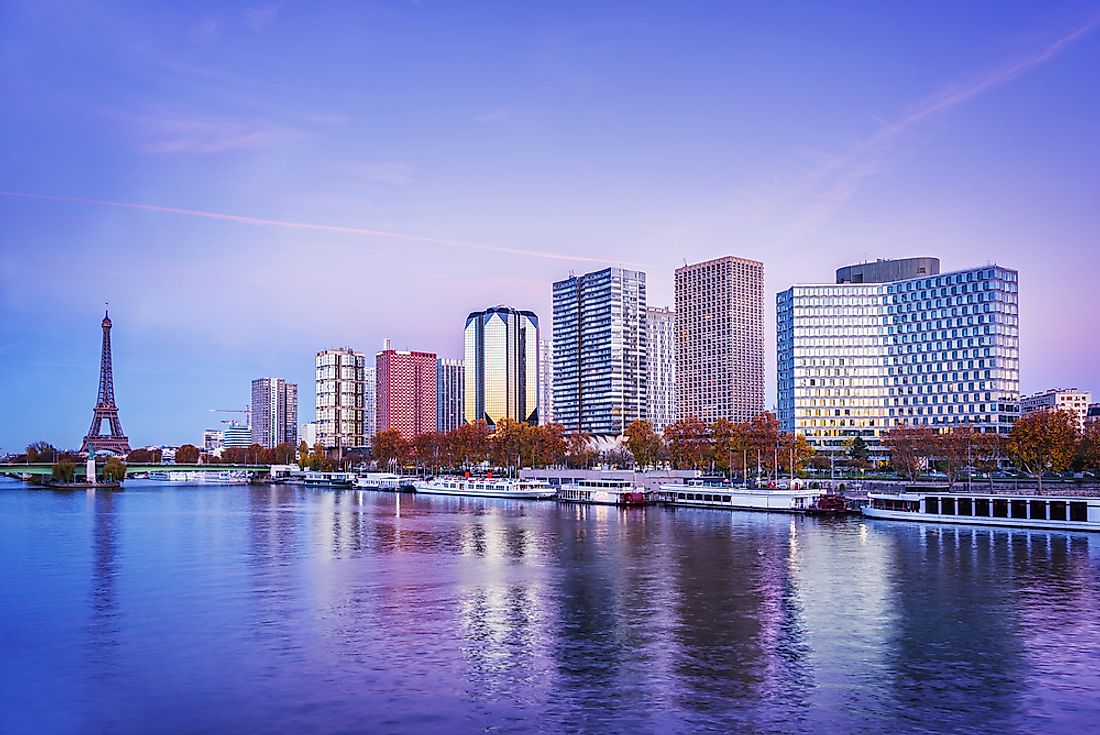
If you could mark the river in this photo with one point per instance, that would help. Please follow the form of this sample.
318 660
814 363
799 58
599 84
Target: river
285 609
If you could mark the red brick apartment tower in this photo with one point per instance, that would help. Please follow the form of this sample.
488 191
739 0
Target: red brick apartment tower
406 392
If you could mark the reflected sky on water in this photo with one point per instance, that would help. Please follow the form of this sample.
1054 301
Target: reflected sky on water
291 609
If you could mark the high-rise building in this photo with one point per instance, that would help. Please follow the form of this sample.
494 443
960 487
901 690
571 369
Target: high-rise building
450 392
661 366
599 351
274 412
370 403
310 433
546 381
406 392
502 357
720 339
855 359
341 393
1071 400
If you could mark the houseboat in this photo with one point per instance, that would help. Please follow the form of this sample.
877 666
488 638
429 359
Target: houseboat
605 492
710 494
379 481
200 477
1019 511
328 479
486 487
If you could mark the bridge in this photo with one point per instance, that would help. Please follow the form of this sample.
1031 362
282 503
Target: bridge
17 470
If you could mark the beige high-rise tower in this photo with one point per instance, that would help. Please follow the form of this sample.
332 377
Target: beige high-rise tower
720 339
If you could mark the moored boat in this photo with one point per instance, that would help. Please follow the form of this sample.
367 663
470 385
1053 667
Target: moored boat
328 479
605 492
704 494
379 481
987 509
486 487
200 477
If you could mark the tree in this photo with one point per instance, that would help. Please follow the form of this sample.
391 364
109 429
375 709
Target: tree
318 459
643 442
762 434
687 443
858 453
727 444
507 442
468 445
303 454
987 449
578 450
283 453
63 470
426 448
1088 447
954 449
1043 442
187 454
547 445
41 452
909 447
794 447
114 470
143 456
390 448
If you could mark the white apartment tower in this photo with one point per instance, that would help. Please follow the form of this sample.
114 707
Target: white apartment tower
661 366
720 339
1070 400
546 381
341 398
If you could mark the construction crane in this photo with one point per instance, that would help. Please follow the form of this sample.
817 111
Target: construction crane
247 411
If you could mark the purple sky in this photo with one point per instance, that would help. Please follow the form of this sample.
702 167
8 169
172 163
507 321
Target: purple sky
247 184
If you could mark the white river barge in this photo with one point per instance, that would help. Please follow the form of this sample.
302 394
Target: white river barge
1018 511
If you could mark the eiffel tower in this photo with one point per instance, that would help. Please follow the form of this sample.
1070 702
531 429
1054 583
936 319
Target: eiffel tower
105 408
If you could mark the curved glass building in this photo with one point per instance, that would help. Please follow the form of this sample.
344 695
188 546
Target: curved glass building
502 366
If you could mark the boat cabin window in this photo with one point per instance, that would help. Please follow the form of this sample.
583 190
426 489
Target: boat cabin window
1039 509
931 505
947 506
981 507
1000 508
1079 511
966 506
1057 510
679 496
1019 508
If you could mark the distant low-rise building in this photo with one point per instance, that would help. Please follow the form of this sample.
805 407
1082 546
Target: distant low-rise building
310 433
1093 414
236 436
1071 400
213 440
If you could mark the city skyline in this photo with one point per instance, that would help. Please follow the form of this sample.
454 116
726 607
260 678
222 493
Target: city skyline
985 155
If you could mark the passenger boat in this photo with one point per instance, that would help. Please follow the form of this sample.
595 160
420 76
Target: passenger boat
986 509
199 477
486 487
709 494
328 479
605 492
378 481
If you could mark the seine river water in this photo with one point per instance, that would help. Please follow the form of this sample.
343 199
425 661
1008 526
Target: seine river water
291 610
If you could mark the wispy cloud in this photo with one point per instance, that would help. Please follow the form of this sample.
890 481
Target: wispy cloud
167 133
209 28
317 227
259 18
498 114
390 172
835 179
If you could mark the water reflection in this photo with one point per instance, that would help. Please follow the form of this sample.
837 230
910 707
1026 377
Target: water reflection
289 609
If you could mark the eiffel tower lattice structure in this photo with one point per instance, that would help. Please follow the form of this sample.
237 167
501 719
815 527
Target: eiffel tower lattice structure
105 407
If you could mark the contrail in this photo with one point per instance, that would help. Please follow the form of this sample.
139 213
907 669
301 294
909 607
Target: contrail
312 226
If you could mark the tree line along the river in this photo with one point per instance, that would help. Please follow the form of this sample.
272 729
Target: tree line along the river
1039 443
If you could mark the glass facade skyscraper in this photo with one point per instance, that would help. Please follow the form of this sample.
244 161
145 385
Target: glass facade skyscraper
661 370
450 393
502 366
600 351
855 359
